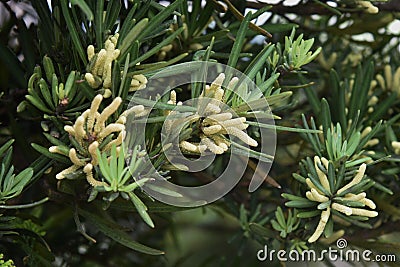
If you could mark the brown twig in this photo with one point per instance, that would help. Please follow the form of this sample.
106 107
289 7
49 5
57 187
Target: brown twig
313 8
240 17
261 173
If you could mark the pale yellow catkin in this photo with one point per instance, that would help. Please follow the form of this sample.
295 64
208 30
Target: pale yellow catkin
318 196
388 75
79 129
93 110
69 170
342 208
211 145
90 52
74 158
368 202
242 136
354 197
112 127
98 65
237 122
357 178
106 113
321 225
188 146
69 129
56 149
220 117
213 109
370 8
92 150
362 212
219 94
89 176
116 142
321 175
212 129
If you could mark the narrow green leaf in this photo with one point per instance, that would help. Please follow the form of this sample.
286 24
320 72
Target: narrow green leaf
277 226
85 8
99 23
280 217
325 116
261 103
259 230
311 95
240 38
244 151
121 92
328 228
354 141
351 220
324 205
114 231
131 36
308 214
300 204
383 107
128 23
44 89
331 176
73 32
200 17
382 188
164 191
338 102
141 208
282 128
44 151
292 197
157 48
161 16
266 87
38 103
46 24
6 146
26 40
367 77
113 10
258 62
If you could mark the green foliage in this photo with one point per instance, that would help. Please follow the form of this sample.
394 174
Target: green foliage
54 99
66 82
297 52
283 225
11 185
119 179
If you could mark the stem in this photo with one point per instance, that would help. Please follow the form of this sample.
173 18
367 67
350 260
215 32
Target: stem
81 228
25 206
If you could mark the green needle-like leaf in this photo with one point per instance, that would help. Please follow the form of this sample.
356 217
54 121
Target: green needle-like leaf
84 7
73 32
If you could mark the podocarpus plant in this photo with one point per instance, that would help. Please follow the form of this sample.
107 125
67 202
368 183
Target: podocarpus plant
71 193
